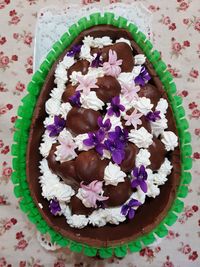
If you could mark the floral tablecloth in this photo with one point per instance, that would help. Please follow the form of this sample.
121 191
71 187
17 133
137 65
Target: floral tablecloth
176 32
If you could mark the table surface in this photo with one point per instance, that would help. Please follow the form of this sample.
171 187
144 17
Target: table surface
176 31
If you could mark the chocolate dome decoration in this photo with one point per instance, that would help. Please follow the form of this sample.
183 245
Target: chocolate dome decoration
125 233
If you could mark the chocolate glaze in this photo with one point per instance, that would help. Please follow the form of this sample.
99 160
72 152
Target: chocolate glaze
123 51
69 91
85 120
108 88
89 166
78 207
150 91
81 65
65 170
129 162
119 196
158 153
149 215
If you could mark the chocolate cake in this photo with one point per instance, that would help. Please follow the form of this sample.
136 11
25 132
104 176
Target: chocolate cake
103 158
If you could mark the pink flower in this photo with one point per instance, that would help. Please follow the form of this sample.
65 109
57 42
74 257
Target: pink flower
7 172
8 225
196 155
112 67
133 119
197 131
171 235
193 256
28 39
192 105
186 21
186 249
176 47
196 113
30 60
2 40
166 20
86 83
3 110
194 73
172 26
91 193
29 70
183 6
59 264
14 57
197 25
186 43
184 93
15 20
15 35
22 244
19 235
20 87
130 90
4 61
66 150
22 263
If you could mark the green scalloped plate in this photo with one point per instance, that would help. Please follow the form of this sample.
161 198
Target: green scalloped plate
21 135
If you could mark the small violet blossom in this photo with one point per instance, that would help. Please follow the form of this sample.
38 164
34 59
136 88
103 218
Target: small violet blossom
57 127
129 91
115 107
66 150
153 116
75 99
93 193
133 119
105 126
95 140
112 67
75 50
140 177
116 149
128 209
86 83
54 206
119 135
143 77
97 62
115 144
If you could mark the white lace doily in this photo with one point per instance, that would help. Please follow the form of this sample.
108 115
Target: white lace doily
45 242
54 21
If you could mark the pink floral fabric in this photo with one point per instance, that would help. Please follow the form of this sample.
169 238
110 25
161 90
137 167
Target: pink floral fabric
176 33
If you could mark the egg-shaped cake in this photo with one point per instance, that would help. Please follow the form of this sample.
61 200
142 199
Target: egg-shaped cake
103 154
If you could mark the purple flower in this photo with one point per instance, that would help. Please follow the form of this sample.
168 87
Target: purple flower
56 127
104 125
95 139
115 107
116 149
128 209
141 176
54 206
119 134
75 99
153 116
75 50
143 77
97 62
